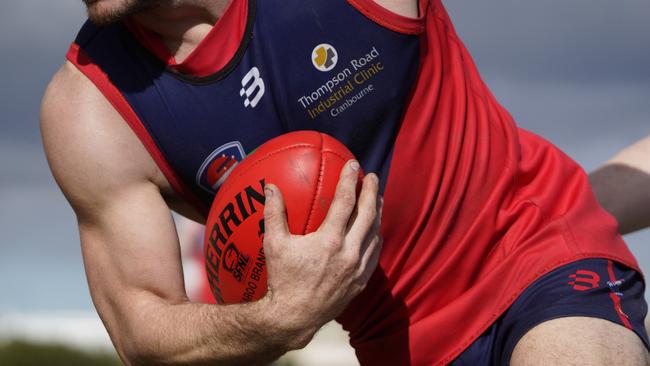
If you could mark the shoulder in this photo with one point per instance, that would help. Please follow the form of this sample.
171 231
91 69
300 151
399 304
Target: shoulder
90 149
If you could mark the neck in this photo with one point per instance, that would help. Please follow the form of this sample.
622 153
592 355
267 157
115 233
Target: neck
182 24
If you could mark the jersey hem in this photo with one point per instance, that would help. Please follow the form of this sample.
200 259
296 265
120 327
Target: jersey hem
93 72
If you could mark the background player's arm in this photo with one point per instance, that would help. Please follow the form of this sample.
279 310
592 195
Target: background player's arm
622 186
132 259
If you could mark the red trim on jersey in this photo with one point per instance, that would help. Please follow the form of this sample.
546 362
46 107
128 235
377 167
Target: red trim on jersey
615 299
85 64
215 50
391 20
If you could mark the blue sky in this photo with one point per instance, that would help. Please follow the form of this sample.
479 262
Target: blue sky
575 72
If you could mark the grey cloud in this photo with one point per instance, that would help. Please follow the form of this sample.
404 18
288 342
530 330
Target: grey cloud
23 165
572 115
40 261
36 36
40 257
578 40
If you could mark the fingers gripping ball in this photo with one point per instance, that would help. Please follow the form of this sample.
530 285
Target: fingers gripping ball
305 166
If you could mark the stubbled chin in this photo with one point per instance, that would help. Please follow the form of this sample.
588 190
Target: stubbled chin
104 12
101 13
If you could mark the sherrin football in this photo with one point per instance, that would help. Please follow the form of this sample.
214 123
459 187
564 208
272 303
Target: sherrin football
305 166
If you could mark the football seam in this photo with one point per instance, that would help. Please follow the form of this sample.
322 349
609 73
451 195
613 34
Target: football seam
318 187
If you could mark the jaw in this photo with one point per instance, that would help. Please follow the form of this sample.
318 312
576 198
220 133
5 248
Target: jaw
104 12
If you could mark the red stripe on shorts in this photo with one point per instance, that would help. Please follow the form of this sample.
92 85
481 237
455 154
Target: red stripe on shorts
615 299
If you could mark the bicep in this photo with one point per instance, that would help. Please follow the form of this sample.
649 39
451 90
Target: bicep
131 245
132 257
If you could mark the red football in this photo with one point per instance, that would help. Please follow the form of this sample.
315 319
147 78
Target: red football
305 166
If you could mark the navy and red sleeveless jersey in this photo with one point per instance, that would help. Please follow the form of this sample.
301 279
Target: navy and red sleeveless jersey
475 208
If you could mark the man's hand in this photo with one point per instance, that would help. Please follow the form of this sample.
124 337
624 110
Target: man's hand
313 277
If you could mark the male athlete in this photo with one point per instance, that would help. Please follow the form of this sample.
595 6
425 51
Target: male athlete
494 252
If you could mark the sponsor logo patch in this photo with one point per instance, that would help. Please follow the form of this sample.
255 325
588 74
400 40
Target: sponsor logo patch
324 57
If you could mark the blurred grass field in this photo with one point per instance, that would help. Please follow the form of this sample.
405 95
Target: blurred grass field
329 347
81 340
22 353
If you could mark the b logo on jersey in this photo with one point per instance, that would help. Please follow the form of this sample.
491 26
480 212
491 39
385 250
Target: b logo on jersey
324 57
218 166
252 88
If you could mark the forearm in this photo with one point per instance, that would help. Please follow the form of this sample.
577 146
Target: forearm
158 333
622 185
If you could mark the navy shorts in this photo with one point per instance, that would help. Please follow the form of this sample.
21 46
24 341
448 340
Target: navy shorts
596 288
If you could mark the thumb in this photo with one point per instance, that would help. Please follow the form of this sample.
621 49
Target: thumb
275 215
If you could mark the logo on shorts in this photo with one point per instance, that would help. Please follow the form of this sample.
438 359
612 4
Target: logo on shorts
218 166
252 88
615 287
324 57
584 280
235 262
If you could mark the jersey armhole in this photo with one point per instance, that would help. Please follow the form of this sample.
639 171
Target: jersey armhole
391 20
93 72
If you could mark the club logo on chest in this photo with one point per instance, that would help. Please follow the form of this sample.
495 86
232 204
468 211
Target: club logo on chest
218 165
